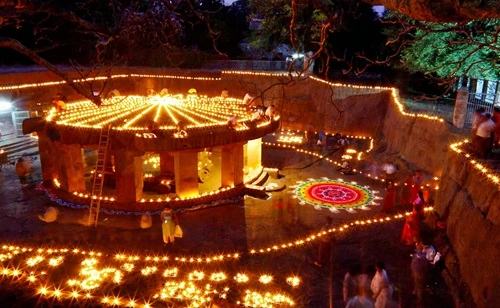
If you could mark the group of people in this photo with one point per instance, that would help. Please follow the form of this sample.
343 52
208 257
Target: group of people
485 131
407 193
359 292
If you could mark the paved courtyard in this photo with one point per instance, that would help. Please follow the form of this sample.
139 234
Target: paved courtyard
236 228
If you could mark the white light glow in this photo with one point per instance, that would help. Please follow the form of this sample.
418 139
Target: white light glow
5 105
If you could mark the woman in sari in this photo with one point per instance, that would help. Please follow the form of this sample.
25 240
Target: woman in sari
411 229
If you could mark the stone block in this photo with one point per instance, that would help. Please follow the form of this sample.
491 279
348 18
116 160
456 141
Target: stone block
476 243
448 189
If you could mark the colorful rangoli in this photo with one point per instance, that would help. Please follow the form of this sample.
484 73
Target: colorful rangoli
334 195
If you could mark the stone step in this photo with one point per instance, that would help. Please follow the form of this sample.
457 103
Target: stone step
262 179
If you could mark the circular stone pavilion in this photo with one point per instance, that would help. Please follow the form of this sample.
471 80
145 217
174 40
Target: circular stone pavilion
180 130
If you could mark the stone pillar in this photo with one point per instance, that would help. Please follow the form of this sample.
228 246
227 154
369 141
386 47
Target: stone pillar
46 149
167 164
129 176
239 173
254 154
70 167
186 174
460 107
227 166
232 164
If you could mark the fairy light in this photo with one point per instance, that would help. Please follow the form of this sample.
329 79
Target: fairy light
338 163
112 199
241 278
149 270
193 289
486 172
56 261
256 299
55 83
294 281
172 272
290 137
196 275
265 279
218 277
159 114
35 260
133 113
56 183
128 267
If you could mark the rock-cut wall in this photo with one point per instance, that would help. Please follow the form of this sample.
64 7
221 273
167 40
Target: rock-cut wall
470 203
418 140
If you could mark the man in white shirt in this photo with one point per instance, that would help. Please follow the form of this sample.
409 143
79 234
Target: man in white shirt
482 142
248 99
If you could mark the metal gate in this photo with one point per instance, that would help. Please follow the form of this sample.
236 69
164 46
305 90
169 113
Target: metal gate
475 101
17 120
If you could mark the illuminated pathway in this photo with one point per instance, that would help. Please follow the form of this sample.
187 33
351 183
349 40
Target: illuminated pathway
73 274
193 276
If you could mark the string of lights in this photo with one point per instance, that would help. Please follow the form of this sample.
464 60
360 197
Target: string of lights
349 151
493 177
92 277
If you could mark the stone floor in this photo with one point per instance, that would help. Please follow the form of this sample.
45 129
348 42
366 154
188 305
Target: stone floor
239 227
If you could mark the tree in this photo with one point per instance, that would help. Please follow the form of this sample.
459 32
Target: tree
336 31
442 10
452 50
105 33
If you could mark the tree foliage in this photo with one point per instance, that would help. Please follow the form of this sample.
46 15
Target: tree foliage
450 50
147 32
337 31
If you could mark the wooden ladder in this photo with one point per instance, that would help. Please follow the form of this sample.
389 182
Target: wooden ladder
97 185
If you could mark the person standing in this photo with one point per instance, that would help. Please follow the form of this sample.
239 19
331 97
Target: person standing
21 171
496 133
390 197
419 269
476 120
349 285
326 244
416 180
418 206
360 301
169 221
381 287
482 141
411 229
